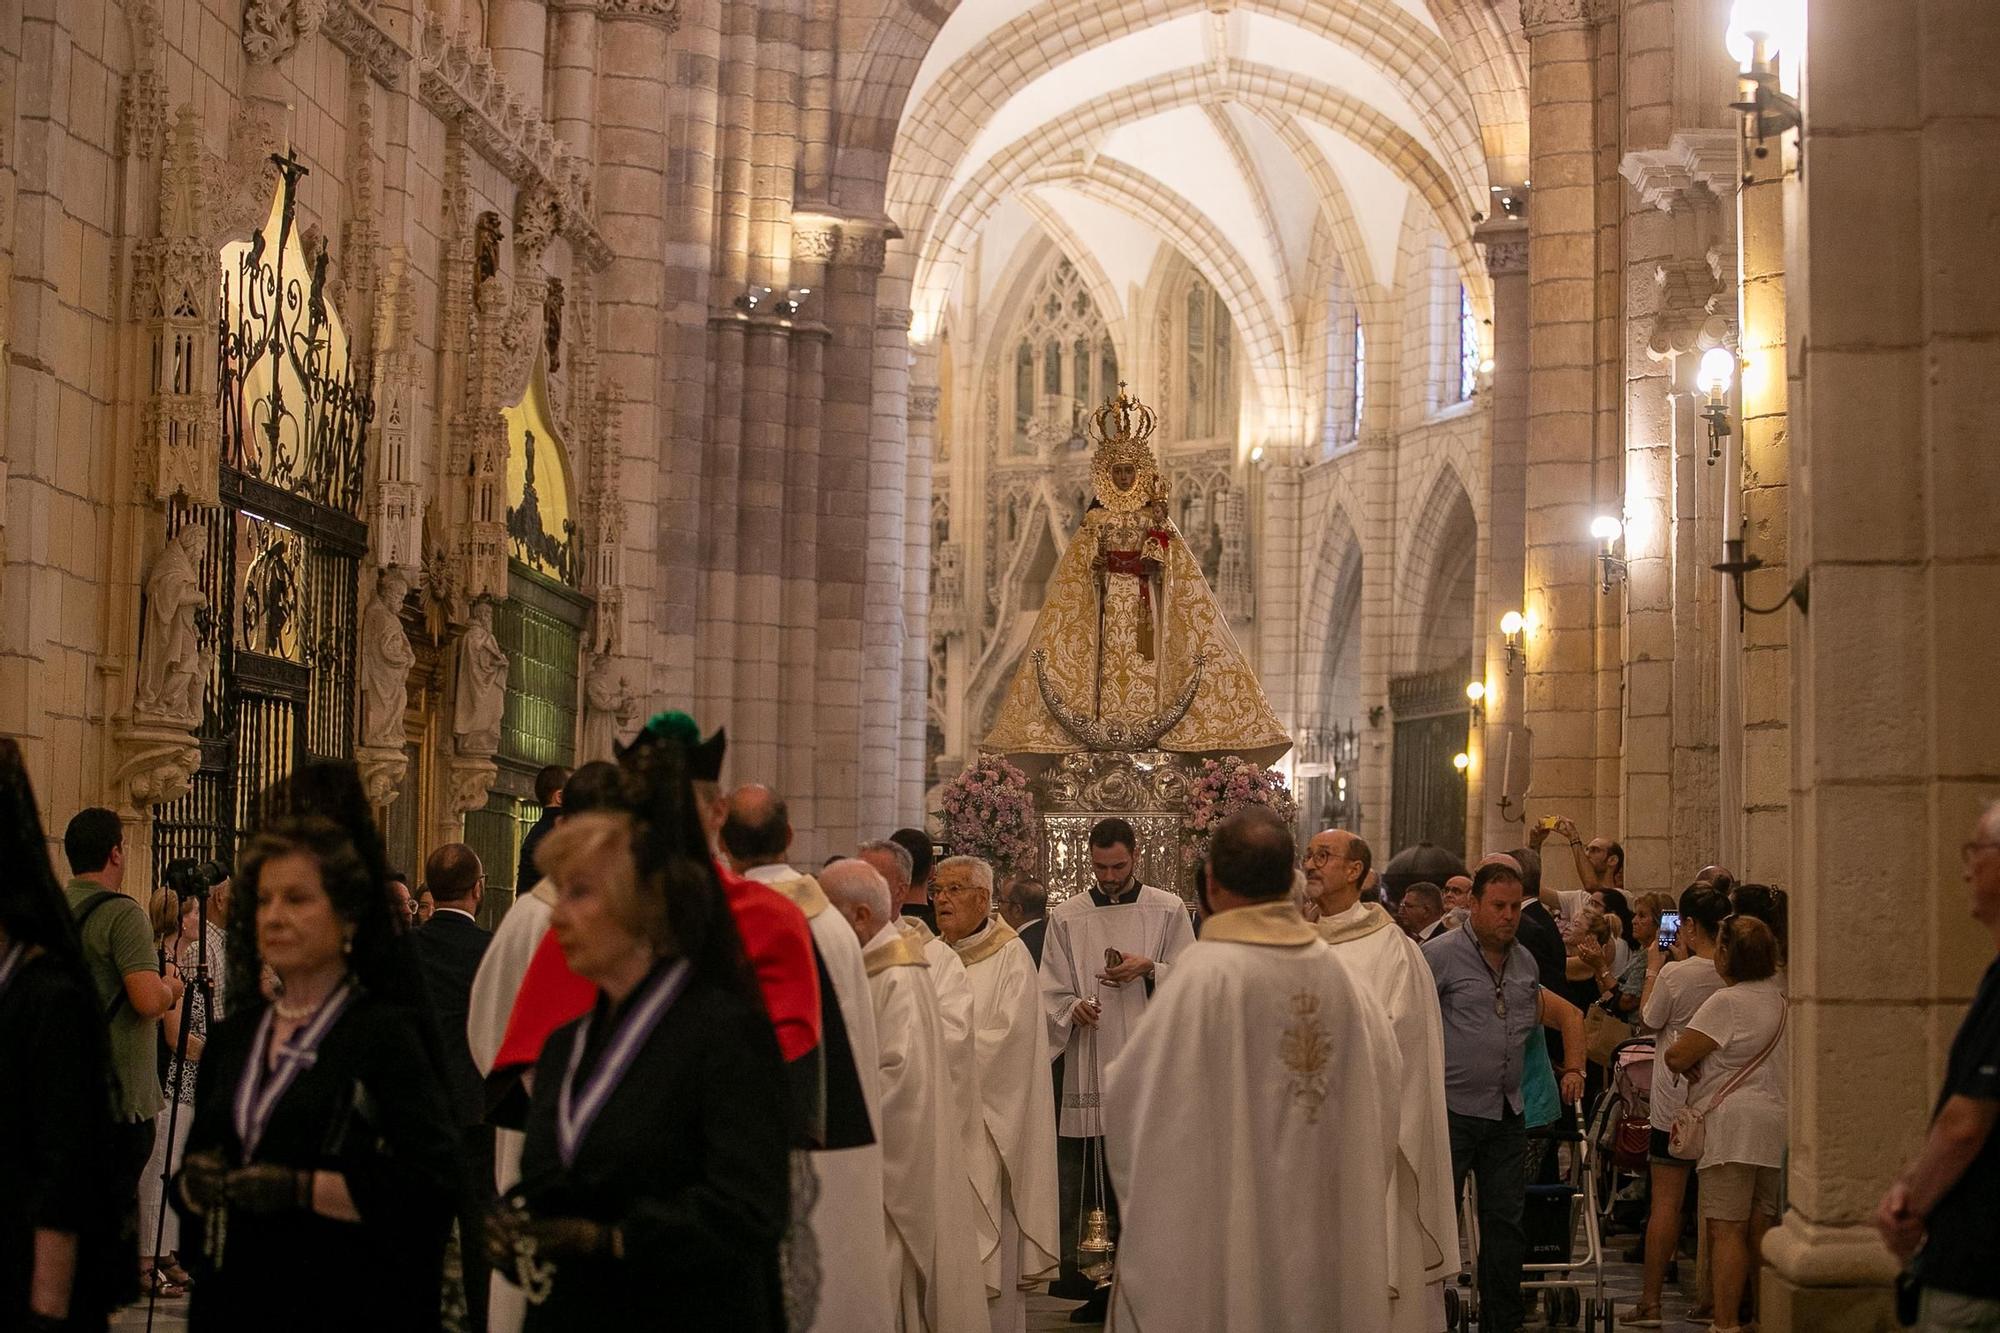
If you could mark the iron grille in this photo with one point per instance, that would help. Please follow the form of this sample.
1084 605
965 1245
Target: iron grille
285 543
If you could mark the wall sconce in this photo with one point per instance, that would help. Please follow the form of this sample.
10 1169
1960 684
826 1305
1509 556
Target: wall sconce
1607 530
752 297
1736 565
1713 376
1461 761
793 298
1511 626
1476 692
1758 31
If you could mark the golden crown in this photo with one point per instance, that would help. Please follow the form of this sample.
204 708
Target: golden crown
1123 420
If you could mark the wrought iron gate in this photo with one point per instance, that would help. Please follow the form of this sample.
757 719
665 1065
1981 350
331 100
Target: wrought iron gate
282 560
1431 727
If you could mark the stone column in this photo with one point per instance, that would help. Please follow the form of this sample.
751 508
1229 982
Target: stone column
1560 575
1895 343
886 640
1376 482
572 67
632 61
1503 535
911 779
517 33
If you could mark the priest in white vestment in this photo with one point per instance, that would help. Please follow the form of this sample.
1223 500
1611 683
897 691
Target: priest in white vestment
946 975
1390 967
1093 1003
838 1287
933 1269
1013 1084
1251 1121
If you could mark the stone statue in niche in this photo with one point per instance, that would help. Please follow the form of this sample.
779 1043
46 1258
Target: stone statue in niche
552 324
611 707
172 665
386 659
486 247
482 684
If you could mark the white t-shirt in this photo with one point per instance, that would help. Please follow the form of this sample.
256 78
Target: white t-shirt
1677 992
1749 1126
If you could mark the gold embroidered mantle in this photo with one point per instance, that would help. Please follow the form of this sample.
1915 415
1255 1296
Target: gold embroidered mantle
1192 645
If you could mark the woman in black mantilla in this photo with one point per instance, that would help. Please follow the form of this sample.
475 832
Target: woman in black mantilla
59 1216
320 1170
654 1184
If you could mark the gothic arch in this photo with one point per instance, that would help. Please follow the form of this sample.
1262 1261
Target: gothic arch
1435 597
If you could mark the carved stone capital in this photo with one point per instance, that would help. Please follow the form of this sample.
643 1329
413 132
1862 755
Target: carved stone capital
1505 241
814 240
924 404
157 758
665 13
862 247
894 318
273 29
1693 162
471 782
382 772
1540 16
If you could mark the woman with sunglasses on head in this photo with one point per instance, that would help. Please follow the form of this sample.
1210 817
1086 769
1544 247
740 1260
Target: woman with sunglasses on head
655 1178
60 1269
320 1171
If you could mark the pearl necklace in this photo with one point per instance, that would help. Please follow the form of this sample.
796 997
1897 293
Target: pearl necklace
292 1013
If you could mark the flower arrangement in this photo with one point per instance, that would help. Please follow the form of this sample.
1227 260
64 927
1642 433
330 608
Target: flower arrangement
986 811
1224 786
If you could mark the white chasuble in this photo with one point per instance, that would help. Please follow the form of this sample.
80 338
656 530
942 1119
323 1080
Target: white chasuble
1390 966
933 1250
1250 1128
1152 924
844 1193
1020 1116
953 989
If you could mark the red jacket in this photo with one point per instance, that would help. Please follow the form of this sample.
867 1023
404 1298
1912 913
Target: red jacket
775 936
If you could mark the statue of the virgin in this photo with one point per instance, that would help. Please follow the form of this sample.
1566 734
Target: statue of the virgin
1130 651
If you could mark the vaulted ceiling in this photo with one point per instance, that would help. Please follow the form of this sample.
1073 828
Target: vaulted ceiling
1236 131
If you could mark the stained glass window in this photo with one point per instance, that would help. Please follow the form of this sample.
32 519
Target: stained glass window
1360 374
1468 346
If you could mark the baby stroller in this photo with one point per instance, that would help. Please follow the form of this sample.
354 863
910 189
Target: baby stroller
1619 1127
1571 1284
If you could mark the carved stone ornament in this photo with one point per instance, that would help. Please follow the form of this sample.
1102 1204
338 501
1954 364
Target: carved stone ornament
156 764
1547 15
1504 257
610 709
537 219
385 659
923 404
470 783
486 247
482 685
382 772
145 95
1693 160
273 29
666 13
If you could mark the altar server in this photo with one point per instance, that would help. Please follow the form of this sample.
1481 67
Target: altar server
1251 1121
833 1255
1390 967
1104 954
932 1271
1013 1084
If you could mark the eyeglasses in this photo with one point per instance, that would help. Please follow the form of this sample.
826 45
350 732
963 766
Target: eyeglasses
1972 849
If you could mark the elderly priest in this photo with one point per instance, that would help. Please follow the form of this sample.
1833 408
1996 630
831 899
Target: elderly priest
1251 1120
932 1271
1013 1085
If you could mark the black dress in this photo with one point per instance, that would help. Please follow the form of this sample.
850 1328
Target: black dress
372 1107
688 1157
55 1120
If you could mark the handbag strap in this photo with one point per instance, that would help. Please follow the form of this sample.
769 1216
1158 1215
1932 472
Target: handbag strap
1784 1014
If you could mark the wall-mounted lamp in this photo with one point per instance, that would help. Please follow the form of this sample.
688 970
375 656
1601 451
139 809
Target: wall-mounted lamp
1461 761
1736 565
1476 693
1257 453
752 297
1759 32
794 297
1511 626
1713 376
1607 531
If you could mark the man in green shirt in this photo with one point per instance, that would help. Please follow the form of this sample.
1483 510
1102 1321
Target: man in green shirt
134 988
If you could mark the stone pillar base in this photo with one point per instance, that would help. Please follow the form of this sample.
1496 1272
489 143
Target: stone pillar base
1825 1279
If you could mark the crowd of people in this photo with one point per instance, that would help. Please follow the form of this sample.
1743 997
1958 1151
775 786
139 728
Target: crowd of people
684 1084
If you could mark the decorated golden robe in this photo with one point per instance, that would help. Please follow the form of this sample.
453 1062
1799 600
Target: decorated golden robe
1127 617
